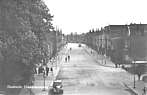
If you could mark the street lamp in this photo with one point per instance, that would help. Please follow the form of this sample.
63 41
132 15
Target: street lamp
129 34
105 47
44 80
56 42
134 86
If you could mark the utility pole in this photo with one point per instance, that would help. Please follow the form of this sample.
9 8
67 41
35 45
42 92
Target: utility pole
134 76
105 46
44 80
131 39
56 38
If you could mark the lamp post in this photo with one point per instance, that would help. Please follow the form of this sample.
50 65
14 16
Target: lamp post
134 86
105 37
56 35
44 79
131 39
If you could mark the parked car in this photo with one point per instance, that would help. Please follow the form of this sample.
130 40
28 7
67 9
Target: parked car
144 78
56 88
2 92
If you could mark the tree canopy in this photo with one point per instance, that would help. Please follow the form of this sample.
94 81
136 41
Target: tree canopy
24 25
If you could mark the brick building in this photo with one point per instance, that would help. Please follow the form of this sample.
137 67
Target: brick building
128 41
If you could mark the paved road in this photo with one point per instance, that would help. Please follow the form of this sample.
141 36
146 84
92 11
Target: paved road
83 76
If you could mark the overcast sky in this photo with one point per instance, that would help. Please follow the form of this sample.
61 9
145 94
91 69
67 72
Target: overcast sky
82 15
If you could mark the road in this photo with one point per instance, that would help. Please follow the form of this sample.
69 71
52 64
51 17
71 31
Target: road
82 75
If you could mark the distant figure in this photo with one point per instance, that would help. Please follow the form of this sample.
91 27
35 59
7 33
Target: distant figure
44 70
68 58
37 70
51 69
40 69
47 70
65 59
144 91
70 49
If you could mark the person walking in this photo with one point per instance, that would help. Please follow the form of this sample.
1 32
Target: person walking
44 70
47 70
40 69
37 70
65 59
144 91
68 57
51 70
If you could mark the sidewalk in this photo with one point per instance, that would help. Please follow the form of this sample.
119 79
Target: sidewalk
139 85
39 84
37 88
102 60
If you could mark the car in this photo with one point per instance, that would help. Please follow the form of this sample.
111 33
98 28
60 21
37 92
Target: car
56 88
2 92
144 78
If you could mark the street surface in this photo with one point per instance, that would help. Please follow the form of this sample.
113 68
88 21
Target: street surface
82 75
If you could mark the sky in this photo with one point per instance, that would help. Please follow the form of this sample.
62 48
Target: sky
83 15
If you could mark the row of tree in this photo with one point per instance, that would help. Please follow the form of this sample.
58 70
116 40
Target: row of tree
27 38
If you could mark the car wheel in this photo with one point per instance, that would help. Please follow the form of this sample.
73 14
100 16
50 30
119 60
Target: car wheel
51 92
61 91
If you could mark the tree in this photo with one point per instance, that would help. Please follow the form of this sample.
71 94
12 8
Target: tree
23 28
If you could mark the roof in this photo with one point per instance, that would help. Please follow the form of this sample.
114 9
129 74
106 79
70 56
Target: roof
51 84
58 81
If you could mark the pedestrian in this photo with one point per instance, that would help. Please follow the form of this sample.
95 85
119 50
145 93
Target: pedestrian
44 70
68 58
47 70
40 69
37 70
70 49
65 59
144 91
51 69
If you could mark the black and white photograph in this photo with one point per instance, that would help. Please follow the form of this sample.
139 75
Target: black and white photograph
73 47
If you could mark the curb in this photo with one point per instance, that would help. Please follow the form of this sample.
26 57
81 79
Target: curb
26 91
134 92
97 60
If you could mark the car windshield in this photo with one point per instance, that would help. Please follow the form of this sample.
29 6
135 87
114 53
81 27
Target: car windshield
57 83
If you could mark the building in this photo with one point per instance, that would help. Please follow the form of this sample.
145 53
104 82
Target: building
129 42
